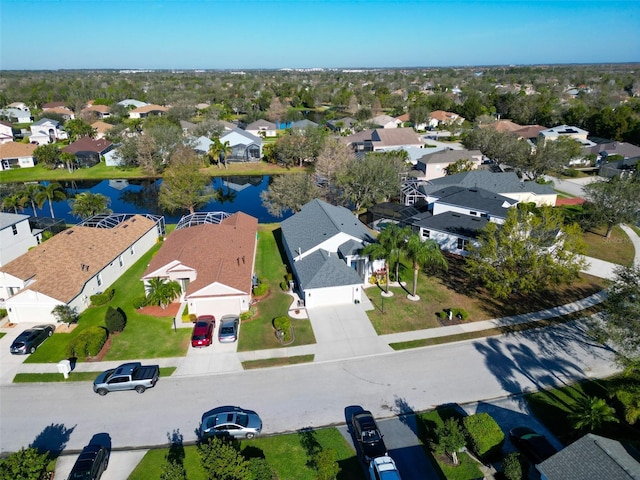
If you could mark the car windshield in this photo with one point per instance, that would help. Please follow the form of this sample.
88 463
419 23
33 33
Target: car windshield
370 436
199 337
18 344
226 330
201 325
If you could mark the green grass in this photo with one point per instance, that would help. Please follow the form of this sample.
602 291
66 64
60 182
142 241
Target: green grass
257 332
73 376
617 248
288 455
2 334
277 362
144 336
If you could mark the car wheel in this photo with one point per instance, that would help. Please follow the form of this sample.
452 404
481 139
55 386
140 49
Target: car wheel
49 333
32 349
140 389
102 392
250 435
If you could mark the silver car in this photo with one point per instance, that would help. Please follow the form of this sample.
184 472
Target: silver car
228 330
230 421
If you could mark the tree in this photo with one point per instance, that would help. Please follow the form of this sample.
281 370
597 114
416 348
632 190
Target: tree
68 159
591 413
47 155
419 114
172 470
389 246
423 254
459 166
78 128
529 252
162 292
148 155
50 192
13 202
28 195
614 201
127 152
86 204
65 314
450 438
183 185
501 147
299 146
221 460
325 464
333 156
289 192
25 464
550 156
219 150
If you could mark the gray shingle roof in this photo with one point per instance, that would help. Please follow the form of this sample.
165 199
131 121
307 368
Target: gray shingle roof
450 223
449 156
505 182
318 221
8 219
477 199
593 456
323 269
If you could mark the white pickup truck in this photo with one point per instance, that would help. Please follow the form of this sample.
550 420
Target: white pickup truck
128 376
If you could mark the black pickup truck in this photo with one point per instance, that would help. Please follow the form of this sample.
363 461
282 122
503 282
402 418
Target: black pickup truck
129 376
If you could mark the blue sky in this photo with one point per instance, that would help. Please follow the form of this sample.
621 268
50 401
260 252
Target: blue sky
244 34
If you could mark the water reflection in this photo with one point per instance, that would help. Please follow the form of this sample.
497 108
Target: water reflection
236 193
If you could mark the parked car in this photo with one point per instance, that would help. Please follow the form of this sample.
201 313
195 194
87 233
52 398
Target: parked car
533 445
228 330
368 436
230 421
383 468
31 338
91 463
203 331
128 376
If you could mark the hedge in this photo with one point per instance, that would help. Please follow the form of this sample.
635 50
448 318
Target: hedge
115 319
283 324
88 343
100 299
484 436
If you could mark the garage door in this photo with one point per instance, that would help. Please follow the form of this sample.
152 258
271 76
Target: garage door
217 306
322 297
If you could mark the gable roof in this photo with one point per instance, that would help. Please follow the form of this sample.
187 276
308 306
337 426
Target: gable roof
98 108
502 126
220 253
88 144
529 131
384 119
147 108
477 199
318 221
132 102
395 137
232 135
449 156
443 116
302 124
450 223
44 121
261 124
7 219
101 127
50 105
593 456
55 266
16 149
322 269
502 182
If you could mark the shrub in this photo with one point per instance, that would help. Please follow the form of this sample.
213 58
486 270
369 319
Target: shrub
248 314
484 436
260 289
512 467
65 314
139 302
284 286
115 320
460 313
3 312
283 324
88 343
260 469
100 299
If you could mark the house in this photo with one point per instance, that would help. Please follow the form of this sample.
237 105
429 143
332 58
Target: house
434 164
502 126
202 145
19 105
6 132
132 103
147 110
213 262
324 246
16 115
16 236
384 139
46 131
344 125
567 131
101 128
303 124
16 155
262 128
385 121
88 150
245 146
605 149
75 264
440 117
187 127
593 456
416 192
63 111
101 111
50 105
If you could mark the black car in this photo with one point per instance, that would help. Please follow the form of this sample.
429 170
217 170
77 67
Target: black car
366 432
31 338
91 463
533 445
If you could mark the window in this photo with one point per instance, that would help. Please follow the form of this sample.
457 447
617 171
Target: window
473 213
99 278
131 250
14 229
426 234
462 244
120 260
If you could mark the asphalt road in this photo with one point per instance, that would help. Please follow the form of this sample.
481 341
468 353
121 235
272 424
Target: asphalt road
65 416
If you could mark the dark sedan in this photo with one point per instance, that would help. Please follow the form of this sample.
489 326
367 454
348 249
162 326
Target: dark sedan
31 338
366 432
533 445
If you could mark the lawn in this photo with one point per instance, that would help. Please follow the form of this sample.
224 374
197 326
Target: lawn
288 455
257 332
451 289
617 248
134 342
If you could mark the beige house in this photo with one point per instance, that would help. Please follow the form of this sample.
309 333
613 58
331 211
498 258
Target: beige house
147 110
16 155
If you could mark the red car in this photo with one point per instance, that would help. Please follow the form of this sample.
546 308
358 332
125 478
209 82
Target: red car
203 331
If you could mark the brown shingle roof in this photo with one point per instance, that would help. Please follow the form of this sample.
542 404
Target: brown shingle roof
149 108
102 127
59 110
55 266
390 137
15 150
502 126
222 253
97 108
87 144
52 105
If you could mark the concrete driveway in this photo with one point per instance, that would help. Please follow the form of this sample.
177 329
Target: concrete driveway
121 464
9 363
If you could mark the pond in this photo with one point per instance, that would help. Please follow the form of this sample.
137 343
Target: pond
236 193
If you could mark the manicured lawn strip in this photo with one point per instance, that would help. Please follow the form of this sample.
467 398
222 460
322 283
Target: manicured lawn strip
73 376
427 424
2 334
257 333
617 248
143 337
552 407
277 362
287 454
492 332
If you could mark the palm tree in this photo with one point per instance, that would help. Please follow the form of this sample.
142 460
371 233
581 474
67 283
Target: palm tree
423 254
591 413
29 196
86 205
13 202
162 292
218 151
52 191
389 246
378 251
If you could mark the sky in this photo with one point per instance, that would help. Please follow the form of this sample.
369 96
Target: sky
267 34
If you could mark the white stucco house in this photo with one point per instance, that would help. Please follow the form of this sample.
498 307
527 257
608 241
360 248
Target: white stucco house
73 265
16 236
324 246
6 132
17 115
46 131
262 128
